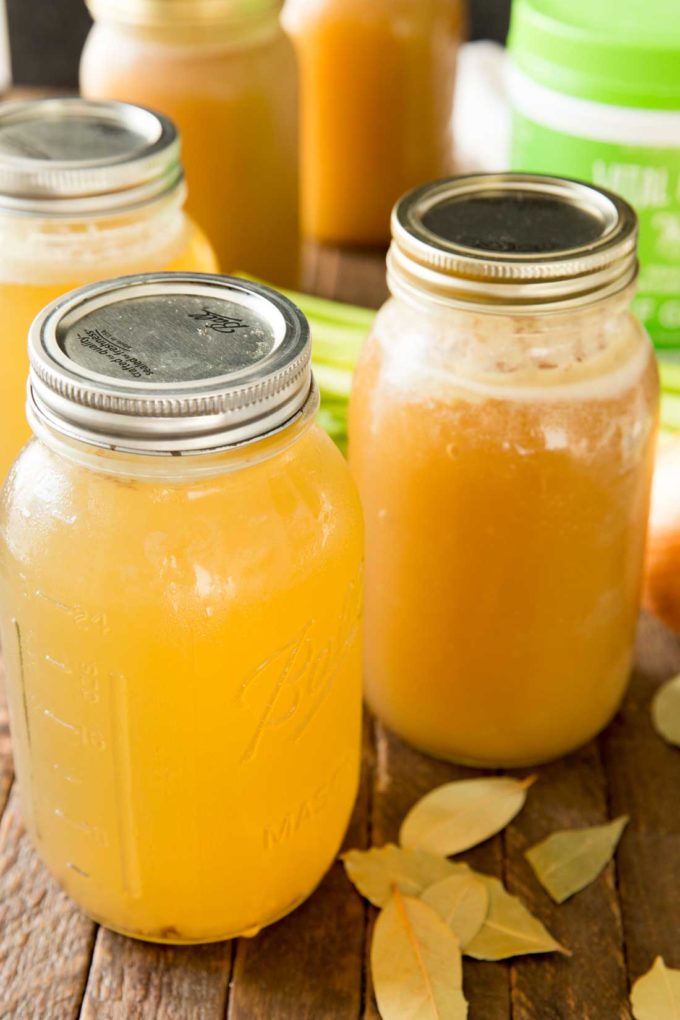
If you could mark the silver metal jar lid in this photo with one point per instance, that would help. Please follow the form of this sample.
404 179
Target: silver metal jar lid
512 240
169 363
75 156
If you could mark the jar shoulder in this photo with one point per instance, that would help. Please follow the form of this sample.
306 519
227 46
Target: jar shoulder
597 352
41 260
300 503
151 52
299 14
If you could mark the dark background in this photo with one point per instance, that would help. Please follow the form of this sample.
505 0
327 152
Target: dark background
47 36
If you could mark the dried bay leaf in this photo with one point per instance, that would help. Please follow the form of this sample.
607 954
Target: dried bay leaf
457 816
509 929
416 963
666 711
656 995
376 872
568 861
462 901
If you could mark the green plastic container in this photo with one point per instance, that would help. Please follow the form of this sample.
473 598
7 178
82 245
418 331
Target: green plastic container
595 88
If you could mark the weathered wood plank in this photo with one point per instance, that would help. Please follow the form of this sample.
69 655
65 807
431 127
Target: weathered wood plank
361 277
320 270
402 776
644 779
307 967
138 981
45 942
591 984
310 965
356 276
6 767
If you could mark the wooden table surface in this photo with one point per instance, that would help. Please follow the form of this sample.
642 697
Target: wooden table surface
55 964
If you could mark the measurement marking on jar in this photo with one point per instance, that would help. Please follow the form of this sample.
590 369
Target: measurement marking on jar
89 683
93 832
54 602
80 616
93 739
22 679
57 664
27 726
88 737
68 777
60 722
120 740
78 871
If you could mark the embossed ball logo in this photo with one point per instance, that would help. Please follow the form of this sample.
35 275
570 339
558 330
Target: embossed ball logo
217 322
287 689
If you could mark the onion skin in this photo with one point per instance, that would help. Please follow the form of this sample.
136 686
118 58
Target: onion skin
662 574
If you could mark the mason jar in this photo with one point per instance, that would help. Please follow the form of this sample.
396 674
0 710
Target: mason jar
180 602
226 73
377 84
502 432
87 191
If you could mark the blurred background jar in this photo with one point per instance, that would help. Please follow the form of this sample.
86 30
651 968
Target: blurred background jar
377 82
225 72
502 433
596 95
88 190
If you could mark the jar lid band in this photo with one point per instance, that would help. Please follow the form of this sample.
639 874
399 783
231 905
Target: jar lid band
512 240
70 156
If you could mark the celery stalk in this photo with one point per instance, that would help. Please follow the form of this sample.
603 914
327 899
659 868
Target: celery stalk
338 334
332 382
669 371
335 425
670 411
335 344
335 312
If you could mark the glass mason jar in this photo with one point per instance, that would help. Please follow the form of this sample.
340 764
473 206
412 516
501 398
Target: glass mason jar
377 81
502 429
226 73
185 698
87 191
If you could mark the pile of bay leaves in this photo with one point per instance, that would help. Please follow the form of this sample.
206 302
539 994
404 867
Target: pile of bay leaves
434 911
